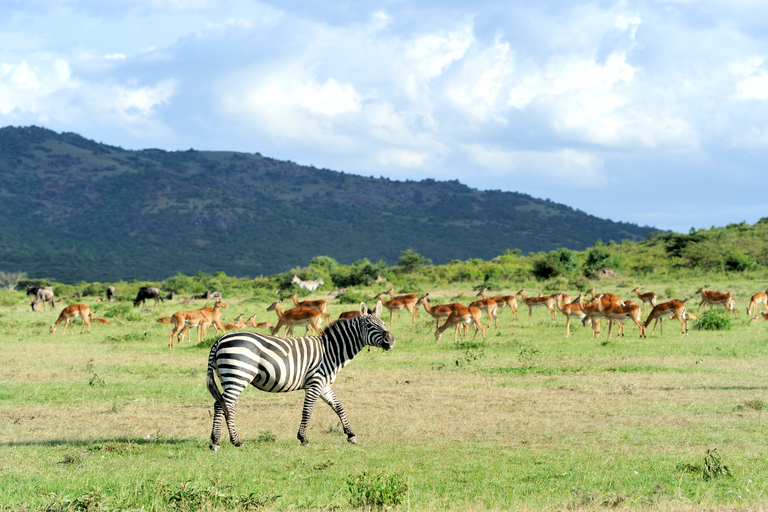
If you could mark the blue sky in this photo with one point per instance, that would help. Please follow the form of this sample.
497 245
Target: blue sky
651 112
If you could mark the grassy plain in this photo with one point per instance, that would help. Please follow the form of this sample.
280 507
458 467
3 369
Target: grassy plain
525 420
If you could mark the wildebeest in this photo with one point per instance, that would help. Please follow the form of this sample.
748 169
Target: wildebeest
43 294
146 292
110 293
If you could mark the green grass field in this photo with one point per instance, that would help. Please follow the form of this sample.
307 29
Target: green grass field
525 420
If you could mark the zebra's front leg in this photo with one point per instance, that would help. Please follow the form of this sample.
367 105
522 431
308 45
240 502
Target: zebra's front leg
329 397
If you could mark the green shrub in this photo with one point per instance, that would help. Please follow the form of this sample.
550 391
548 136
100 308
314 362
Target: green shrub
352 297
381 490
712 320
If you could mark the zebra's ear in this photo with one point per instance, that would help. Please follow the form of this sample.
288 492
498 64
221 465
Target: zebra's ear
363 309
377 311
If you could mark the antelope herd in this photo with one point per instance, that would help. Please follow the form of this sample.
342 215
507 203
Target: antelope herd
590 307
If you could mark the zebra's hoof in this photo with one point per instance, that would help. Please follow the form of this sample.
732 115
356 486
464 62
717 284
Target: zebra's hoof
214 447
352 440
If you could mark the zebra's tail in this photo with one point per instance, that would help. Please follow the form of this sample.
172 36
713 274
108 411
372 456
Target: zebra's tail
210 381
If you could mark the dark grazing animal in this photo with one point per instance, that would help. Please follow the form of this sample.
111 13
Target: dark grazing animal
146 292
278 365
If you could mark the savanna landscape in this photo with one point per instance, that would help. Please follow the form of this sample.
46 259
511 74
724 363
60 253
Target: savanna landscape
525 419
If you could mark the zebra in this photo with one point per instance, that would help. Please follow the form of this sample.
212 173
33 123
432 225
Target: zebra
278 365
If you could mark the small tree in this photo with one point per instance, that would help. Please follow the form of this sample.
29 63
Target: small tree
9 280
410 261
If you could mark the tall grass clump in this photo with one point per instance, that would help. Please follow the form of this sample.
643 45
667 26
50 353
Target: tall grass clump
380 490
713 320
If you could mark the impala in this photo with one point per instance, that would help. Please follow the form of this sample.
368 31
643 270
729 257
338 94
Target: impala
761 317
534 302
755 301
713 298
311 318
647 298
457 318
237 324
71 312
619 313
438 312
592 313
397 304
320 305
411 297
489 306
671 309
199 318
259 325
503 301
569 310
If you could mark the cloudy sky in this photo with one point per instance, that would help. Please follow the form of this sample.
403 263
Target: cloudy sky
653 112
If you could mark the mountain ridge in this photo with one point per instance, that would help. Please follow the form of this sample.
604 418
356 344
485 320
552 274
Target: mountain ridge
76 209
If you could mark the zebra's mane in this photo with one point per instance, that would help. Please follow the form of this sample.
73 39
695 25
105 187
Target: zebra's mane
335 326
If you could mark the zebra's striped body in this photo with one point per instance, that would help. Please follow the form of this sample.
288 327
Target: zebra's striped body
279 365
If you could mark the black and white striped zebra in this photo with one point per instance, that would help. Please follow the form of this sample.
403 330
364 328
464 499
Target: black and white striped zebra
278 365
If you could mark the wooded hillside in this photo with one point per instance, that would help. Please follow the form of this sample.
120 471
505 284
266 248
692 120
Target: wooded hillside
74 209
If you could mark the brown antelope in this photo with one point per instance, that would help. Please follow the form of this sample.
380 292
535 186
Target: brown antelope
761 317
259 325
236 324
345 315
671 309
755 301
184 320
569 310
320 305
615 312
397 304
438 312
458 317
534 302
503 301
309 317
647 298
592 312
713 298
165 320
71 312
410 297
489 306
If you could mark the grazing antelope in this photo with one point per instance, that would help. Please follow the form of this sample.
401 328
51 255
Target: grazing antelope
569 310
311 318
503 301
761 318
615 312
755 301
534 302
259 325
713 298
438 312
458 317
71 312
397 304
647 298
410 297
165 320
320 305
671 309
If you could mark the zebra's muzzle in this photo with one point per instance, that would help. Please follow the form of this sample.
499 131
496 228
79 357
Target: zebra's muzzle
389 342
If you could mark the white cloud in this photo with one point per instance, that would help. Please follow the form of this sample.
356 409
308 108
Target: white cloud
26 88
571 168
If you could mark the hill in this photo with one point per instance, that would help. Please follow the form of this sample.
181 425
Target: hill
75 209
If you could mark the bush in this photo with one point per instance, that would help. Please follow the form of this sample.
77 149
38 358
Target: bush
376 490
713 320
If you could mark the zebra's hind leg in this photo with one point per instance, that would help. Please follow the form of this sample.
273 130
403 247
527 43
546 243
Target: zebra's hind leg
329 397
218 417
